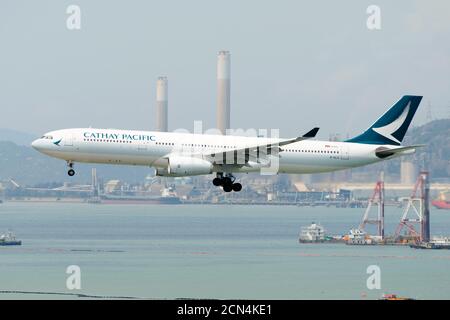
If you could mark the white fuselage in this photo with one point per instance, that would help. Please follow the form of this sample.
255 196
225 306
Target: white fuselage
147 148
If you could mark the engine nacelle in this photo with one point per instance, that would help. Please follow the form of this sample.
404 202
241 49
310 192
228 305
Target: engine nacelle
185 166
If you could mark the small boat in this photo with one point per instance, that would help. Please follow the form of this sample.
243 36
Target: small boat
358 237
434 243
9 239
168 196
393 297
312 234
441 202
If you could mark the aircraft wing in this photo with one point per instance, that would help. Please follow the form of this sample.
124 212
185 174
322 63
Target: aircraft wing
256 151
386 152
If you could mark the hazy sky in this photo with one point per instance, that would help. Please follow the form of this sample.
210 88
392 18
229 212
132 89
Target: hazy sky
295 64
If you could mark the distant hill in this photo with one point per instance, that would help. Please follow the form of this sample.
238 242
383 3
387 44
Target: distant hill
435 156
18 137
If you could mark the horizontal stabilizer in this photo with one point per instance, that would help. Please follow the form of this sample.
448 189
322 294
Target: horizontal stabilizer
383 152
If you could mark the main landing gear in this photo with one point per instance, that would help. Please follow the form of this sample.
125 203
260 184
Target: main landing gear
71 172
227 182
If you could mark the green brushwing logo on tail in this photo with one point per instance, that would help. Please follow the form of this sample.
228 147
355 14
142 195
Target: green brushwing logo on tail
391 127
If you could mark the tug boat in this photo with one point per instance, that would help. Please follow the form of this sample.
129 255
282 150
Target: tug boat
9 239
313 233
358 237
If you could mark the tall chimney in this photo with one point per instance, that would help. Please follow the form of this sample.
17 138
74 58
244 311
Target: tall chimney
162 104
94 182
223 91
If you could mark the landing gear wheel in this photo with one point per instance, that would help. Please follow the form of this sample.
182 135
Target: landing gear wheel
227 187
217 182
71 172
237 187
227 181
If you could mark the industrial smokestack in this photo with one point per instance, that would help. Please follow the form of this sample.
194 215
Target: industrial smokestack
162 104
94 178
223 91
94 182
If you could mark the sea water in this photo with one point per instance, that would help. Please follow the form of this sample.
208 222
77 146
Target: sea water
208 251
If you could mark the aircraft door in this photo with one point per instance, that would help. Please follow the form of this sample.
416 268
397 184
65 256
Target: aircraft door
68 140
344 153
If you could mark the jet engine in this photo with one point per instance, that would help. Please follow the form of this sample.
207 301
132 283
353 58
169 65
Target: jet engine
185 166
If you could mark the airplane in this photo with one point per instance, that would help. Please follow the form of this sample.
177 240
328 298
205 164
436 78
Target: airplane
175 154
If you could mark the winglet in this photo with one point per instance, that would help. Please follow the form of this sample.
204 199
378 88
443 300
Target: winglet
312 133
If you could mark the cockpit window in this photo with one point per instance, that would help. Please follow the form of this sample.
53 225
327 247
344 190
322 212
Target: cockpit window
47 137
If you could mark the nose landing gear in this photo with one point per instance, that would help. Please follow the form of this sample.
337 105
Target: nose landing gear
227 182
71 172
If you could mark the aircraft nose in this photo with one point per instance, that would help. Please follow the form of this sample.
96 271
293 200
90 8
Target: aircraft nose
36 144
